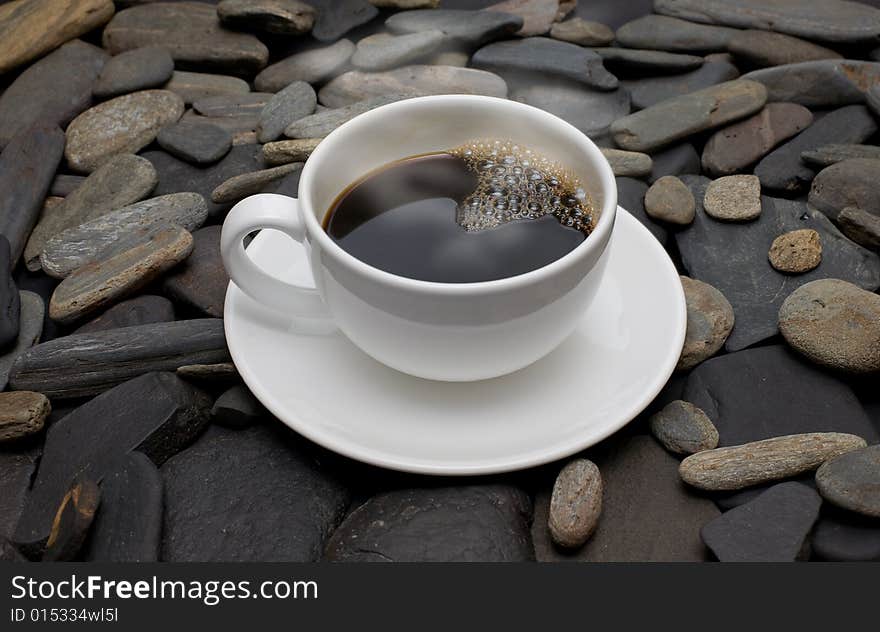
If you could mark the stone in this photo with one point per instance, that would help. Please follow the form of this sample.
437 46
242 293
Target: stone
51 91
682 428
242 129
192 33
669 200
133 70
177 175
635 60
284 17
830 154
27 167
157 414
796 251
826 20
680 117
486 523
671 34
320 124
860 226
737 467
765 48
22 413
674 161
538 15
843 536
73 521
232 104
32 28
545 55
819 84
733 258
92 241
733 198
582 32
241 186
10 304
354 86
337 17
122 125
128 525
31 327
405 4
237 408
17 467
64 184
466 28
628 163
852 481
741 144
285 151
312 66
198 143
287 504
774 527
782 169
119 182
849 183
650 91
631 196
872 99
833 323
710 319
141 310
647 513
104 359
384 51
294 102
576 504
218 372
195 86
201 280
131 265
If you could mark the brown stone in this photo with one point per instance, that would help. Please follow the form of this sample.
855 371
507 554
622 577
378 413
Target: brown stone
241 186
22 413
576 504
628 163
582 32
285 17
73 521
796 251
733 198
195 86
766 48
284 151
860 226
669 200
709 322
538 15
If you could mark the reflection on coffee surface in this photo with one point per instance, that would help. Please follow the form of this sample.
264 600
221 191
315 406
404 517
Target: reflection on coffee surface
486 210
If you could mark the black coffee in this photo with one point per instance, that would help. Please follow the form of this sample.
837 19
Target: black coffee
485 211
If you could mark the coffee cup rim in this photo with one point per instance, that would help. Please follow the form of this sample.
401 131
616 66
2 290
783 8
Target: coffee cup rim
596 239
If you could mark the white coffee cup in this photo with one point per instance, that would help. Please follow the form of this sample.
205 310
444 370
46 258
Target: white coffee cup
439 331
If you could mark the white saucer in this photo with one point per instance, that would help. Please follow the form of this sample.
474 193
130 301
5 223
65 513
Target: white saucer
601 377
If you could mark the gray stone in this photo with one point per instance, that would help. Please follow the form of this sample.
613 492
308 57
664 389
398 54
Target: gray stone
860 226
819 84
237 408
765 48
774 527
631 196
628 163
683 428
123 125
133 70
872 99
469 28
669 200
827 155
355 86
796 251
849 183
241 186
576 504
544 55
22 413
671 34
91 241
212 374
313 66
201 280
827 20
191 32
383 51
233 105
17 468
833 323
737 467
733 258
852 481
285 17
649 91
294 102
337 17
782 169
64 184
242 129
119 182
739 145
710 320
679 117
199 143
52 91
733 198
10 306
30 327
141 310
674 161
104 359
195 86
844 536
322 123
646 61
582 32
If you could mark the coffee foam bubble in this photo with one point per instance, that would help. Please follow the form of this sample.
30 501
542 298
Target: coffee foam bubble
517 183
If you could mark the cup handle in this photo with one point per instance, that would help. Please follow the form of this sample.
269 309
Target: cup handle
268 211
